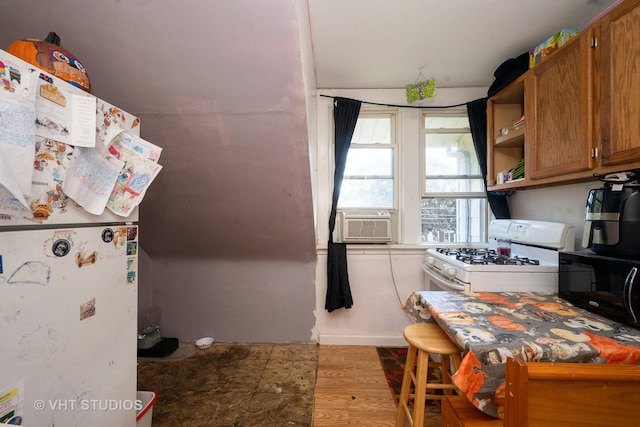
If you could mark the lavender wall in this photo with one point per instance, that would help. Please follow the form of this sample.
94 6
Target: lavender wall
235 300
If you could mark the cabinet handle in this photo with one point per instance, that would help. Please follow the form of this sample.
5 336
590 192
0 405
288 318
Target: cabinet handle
594 42
602 142
628 290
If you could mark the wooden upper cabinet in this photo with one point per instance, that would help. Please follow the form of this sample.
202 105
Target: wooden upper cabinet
581 104
619 140
562 111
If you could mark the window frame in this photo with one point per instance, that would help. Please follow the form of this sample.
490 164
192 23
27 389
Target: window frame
449 112
394 145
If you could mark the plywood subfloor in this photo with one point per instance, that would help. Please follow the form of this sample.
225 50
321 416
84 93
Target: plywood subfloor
233 385
271 385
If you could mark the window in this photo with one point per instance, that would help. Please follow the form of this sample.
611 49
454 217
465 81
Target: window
454 203
369 176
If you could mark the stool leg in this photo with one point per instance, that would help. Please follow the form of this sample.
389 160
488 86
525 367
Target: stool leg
405 390
446 373
457 361
421 388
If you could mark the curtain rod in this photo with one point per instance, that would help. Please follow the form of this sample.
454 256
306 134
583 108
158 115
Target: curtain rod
398 106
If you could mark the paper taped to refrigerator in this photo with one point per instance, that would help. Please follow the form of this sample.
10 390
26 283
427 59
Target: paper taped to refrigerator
91 178
17 125
45 174
63 114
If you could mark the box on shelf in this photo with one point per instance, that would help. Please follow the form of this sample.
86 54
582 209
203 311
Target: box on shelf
513 174
540 52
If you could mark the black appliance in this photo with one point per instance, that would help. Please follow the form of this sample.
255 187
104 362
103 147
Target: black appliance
612 216
601 284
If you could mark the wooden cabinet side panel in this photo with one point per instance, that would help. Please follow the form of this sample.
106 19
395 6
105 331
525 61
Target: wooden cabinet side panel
503 110
501 158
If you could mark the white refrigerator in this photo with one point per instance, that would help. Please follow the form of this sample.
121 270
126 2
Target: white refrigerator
68 299
68 313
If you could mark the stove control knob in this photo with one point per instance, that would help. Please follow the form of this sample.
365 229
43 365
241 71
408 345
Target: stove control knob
430 260
449 270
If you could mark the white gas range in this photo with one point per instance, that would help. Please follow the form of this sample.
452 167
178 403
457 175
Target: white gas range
532 265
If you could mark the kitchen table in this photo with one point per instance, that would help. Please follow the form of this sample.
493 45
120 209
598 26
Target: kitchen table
530 326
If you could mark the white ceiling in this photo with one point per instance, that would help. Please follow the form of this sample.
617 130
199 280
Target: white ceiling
220 85
379 44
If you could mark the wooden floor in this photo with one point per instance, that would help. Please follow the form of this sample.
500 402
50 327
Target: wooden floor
351 389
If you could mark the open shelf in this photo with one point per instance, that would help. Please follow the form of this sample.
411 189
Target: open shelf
513 138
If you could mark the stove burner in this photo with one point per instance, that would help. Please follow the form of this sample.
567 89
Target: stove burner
472 258
484 256
516 260
465 251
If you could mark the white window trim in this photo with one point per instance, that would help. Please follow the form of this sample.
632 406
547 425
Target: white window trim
423 172
395 114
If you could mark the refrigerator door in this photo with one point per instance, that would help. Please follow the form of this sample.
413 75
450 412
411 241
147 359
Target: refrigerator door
68 310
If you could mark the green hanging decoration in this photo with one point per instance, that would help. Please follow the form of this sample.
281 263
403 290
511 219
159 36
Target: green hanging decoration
421 89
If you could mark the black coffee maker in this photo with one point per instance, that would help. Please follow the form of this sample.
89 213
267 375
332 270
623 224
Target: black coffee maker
612 216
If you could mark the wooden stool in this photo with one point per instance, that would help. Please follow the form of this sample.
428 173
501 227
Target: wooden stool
425 339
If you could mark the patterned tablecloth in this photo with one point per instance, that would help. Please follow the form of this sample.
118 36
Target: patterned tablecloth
542 327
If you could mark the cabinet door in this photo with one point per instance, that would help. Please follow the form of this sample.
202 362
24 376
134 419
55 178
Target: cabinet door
562 111
620 77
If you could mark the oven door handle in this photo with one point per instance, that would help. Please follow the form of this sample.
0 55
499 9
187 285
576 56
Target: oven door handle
628 291
441 282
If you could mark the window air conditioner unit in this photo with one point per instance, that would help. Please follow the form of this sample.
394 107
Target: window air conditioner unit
365 228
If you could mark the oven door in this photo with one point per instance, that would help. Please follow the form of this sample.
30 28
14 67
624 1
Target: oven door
433 281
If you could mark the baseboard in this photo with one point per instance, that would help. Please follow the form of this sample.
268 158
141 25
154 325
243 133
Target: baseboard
369 340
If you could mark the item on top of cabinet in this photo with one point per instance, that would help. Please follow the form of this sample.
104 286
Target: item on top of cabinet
50 57
544 49
508 71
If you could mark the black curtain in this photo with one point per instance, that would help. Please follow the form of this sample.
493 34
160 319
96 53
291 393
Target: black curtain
345 116
477 111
